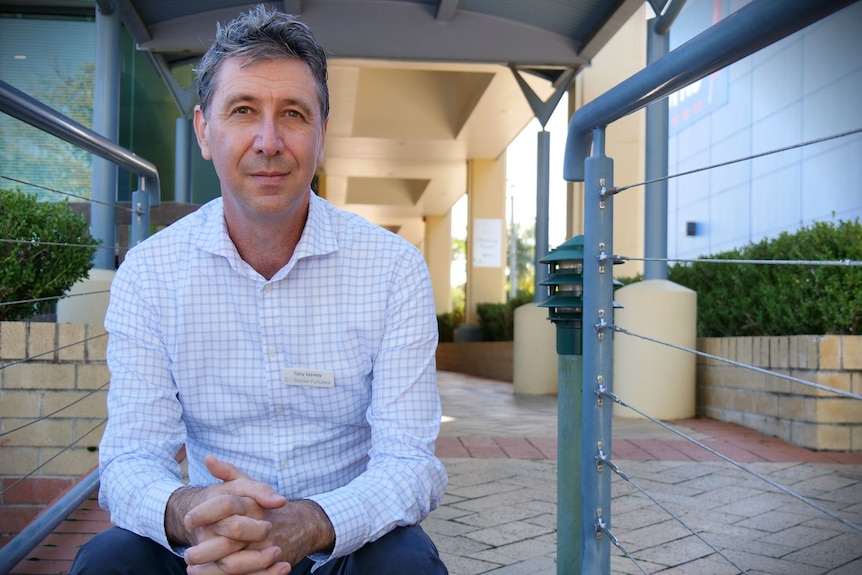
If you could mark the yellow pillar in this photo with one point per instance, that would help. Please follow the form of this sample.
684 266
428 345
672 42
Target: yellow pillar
486 230
438 256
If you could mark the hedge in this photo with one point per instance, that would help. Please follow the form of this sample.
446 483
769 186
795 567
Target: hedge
44 249
786 299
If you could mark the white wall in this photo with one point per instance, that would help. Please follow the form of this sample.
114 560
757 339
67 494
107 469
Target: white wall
804 87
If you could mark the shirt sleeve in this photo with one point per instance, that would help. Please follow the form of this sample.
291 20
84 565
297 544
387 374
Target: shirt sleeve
137 452
404 480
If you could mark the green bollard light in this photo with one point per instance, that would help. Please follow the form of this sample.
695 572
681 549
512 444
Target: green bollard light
565 294
566 309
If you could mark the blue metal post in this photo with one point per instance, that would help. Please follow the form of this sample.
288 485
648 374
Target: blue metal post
140 226
543 163
655 207
183 161
106 95
598 356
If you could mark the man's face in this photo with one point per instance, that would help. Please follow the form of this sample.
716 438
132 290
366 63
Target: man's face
264 133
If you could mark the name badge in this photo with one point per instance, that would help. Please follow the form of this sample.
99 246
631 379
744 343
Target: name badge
307 377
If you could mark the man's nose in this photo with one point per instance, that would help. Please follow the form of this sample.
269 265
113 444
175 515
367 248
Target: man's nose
268 139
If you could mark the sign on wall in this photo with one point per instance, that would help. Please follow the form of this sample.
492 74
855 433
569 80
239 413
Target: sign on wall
487 242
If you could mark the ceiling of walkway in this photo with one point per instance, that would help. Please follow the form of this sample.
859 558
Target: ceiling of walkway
418 86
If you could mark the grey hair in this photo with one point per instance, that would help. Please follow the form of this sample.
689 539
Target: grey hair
261 34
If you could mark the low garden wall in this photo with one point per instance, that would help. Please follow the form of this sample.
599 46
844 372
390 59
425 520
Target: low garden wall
55 400
800 414
490 359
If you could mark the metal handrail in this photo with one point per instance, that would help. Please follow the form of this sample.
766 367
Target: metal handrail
741 34
27 109
18 548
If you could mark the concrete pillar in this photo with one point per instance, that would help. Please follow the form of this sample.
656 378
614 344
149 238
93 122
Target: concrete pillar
486 229
438 256
657 379
535 365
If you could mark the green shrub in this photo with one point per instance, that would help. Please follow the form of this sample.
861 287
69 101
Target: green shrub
37 269
497 320
447 323
775 299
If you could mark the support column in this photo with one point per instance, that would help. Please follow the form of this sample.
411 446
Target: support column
655 208
183 161
575 190
106 106
438 256
486 228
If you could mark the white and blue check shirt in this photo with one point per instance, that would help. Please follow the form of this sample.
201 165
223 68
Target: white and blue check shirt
200 342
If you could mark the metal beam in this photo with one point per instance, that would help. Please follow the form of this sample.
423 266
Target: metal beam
27 109
446 10
17 549
133 22
185 98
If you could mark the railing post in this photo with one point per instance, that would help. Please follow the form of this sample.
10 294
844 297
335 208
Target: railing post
140 216
598 357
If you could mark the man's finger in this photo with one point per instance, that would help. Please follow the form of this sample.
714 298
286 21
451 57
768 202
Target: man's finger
223 470
232 510
242 484
252 562
211 550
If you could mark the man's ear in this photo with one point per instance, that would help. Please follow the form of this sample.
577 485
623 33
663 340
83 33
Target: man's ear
200 123
322 142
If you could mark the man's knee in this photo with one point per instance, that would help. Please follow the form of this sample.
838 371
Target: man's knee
116 551
402 551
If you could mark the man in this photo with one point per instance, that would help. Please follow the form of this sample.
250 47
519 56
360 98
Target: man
289 346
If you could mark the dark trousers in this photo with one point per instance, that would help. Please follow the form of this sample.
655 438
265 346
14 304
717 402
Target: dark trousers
402 551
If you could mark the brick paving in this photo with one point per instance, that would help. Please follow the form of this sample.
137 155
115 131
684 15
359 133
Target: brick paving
499 512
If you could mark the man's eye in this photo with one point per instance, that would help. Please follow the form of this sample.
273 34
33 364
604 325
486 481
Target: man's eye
242 110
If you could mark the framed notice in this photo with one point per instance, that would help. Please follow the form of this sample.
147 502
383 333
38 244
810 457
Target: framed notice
487 242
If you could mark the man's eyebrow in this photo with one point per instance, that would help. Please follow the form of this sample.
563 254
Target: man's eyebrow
237 98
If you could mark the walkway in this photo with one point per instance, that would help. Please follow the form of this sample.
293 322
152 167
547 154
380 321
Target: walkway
499 512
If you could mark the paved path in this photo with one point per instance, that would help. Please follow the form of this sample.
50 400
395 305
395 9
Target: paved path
499 512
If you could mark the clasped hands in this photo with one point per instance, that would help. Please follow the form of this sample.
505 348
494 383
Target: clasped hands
243 527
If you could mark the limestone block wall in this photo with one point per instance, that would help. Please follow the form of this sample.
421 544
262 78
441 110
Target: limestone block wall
491 359
53 384
803 415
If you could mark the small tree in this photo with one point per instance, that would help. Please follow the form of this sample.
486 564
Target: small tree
44 250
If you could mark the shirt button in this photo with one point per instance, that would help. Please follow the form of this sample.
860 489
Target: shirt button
284 464
267 288
277 411
272 352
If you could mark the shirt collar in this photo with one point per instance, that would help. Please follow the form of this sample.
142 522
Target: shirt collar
318 236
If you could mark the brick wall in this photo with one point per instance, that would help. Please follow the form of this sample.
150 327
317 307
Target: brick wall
47 367
800 414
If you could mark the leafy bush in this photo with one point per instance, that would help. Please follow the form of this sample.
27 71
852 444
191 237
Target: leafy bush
37 268
775 299
497 320
447 323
